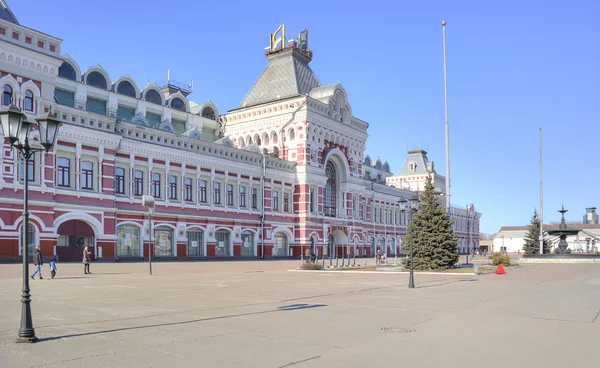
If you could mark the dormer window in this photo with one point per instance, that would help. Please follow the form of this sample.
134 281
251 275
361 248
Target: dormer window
412 167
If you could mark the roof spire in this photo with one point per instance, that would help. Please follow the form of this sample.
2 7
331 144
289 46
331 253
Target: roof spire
6 13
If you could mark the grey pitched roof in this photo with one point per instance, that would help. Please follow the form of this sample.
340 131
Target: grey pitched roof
286 75
419 158
6 13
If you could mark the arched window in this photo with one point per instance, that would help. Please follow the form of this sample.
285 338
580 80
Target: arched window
28 103
386 167
152 96
280 245
292 134
163 243
63 172
96 79
87 175
378 165
128 241
330 245
126 88
330 190
222 243
367 162
195 243
247 243
207 112
178 104
30 239
7 95
67 71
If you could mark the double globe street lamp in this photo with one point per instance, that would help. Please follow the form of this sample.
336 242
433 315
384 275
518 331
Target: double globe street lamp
16 129
411 207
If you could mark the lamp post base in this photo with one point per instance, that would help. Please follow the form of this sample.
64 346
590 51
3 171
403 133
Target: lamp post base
411 282
26 340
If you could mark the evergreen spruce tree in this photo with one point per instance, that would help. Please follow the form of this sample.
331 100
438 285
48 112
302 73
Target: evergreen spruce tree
532 238
434 242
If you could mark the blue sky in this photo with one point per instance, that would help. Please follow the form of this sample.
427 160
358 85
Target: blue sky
513 66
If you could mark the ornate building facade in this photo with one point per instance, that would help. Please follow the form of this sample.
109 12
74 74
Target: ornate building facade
281 172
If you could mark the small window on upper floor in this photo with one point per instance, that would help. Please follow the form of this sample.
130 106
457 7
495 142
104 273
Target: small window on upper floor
7 95
28 102
96 79
126 88
153 96
67 71
178 104
207 112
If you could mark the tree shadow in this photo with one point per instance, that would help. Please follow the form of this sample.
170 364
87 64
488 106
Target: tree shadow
280 309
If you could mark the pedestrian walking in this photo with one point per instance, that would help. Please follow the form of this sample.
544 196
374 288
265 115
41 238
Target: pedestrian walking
86 260
38 261
52 264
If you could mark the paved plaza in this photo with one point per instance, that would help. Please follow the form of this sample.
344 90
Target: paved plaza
257 314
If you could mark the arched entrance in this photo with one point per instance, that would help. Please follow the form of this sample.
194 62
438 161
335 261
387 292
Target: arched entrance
336 241
163 242
280 245
73 237
247 243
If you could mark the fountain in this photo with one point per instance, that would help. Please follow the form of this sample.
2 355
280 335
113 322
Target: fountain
562 232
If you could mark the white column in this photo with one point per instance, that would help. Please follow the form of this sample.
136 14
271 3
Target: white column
167 182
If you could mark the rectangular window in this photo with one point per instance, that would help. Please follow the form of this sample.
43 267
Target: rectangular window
172 187
187 192
87 175
275 205
153 119
119 180
286 202
202 192
96 106
15 35
28 40
41 44
254 197
216 193
156 185
64 97
63 172
178 126
242 196
229 195
381 215
52 48
125 113
138 183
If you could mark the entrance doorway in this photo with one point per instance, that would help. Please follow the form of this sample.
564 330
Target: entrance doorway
73 237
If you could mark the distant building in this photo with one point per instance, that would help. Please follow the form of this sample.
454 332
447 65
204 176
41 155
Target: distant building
412 177
590 217
512 238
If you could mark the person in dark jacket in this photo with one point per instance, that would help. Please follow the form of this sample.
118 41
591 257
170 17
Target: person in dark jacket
38 261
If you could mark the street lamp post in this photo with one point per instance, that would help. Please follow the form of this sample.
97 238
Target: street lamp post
148 202
16 129
411 206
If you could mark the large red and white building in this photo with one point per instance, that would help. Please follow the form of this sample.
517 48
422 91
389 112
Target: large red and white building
283 171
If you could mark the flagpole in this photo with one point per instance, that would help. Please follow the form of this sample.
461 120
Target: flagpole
541 200
447 126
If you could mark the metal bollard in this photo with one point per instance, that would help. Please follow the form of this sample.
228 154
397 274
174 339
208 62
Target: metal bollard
337 261
343 260
348 259
330 261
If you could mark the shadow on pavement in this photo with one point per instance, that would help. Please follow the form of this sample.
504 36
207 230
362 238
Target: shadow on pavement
282 308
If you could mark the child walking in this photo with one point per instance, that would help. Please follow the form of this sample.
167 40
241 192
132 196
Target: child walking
53 267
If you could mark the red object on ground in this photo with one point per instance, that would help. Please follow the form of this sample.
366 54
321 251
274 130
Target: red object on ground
500 270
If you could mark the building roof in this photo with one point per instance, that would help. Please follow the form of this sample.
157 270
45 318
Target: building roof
286 75
6 13
417 163
551 226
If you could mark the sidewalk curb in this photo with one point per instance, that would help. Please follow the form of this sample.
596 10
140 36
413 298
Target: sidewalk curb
391 272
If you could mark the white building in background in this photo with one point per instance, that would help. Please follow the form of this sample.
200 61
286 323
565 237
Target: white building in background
512 238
